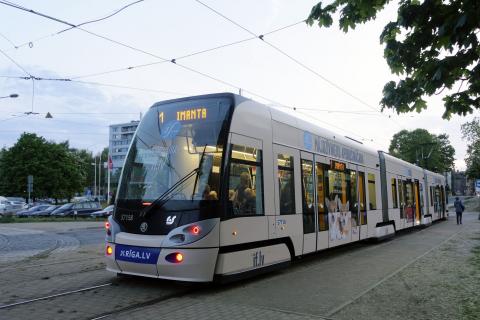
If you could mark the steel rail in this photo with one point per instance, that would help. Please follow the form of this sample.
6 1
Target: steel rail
53 296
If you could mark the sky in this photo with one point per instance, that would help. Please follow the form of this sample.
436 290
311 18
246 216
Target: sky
152 30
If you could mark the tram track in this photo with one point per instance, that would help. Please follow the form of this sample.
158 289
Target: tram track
134 306
46 264
143 304
15 304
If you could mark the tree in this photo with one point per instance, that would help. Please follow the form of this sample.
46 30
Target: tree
471 132
433 45
55 169
85 160
427 150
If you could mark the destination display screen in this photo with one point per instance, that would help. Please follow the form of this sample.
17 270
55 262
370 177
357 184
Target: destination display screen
191 114
338 166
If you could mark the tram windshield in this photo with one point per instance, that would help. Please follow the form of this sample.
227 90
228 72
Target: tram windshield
176 153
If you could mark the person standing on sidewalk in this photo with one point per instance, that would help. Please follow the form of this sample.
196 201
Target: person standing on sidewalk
459 208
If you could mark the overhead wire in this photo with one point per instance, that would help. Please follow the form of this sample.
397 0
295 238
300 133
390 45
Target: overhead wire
71 25
16 6
155 55
4 37
335 126
195 53
15 62
298 62
103 18
57 132
96 84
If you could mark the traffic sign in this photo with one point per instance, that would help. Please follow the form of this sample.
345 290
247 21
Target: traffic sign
477 185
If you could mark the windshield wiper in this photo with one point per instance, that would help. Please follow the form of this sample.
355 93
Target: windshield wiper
170 192
199 172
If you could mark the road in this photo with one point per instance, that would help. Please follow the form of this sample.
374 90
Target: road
56 271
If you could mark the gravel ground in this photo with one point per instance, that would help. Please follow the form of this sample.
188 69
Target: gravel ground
442 284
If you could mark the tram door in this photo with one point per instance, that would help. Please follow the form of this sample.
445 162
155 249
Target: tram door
442 204
417 201
362 203
309 208
321 171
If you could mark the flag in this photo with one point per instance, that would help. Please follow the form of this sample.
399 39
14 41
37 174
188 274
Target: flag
110 163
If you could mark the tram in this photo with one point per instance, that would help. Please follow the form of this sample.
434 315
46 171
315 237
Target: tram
222 187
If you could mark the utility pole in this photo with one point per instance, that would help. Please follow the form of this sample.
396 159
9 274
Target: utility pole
100 176
95 177
109 168
29 187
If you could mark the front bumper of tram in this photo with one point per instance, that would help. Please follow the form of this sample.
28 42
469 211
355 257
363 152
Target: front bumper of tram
186 253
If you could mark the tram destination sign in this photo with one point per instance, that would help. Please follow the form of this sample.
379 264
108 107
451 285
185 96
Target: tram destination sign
338 166
190 114
330 148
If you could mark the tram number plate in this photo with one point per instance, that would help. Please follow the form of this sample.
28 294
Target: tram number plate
137 254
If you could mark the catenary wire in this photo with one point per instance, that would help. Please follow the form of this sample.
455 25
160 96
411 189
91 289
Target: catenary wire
103 18
8 40
311 70
71 27
15 62
186 55
16 6
146 52
95 84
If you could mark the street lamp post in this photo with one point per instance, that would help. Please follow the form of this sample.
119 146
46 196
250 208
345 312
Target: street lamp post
95 179
13 95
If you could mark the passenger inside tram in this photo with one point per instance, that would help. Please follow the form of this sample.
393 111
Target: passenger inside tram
243 196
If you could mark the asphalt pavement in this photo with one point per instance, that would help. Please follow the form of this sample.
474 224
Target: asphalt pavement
56 271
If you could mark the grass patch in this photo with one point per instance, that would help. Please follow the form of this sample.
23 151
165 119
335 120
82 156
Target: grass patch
471 306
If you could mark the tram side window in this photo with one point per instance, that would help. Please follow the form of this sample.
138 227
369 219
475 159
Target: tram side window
431 196
401 188
286 184
338 198
372 192
353 198
437 199
307 196
421 197
409 201
245 192
322 214
394 193
362 197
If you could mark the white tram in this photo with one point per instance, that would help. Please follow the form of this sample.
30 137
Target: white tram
220 186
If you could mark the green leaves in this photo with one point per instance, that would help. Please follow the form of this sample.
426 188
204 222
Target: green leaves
432 44
427 150
55 168
471 132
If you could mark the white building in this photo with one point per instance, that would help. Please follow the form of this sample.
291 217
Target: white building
120 137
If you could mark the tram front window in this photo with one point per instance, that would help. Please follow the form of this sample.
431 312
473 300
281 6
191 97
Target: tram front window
176 153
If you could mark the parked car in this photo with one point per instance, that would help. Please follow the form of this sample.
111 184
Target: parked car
103 213
4 206
46 212
18 203
82 209
31 211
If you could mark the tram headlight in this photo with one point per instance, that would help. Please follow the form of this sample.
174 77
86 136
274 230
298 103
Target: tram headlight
175 257
112 228
189 233
195 230
109 250
107 227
